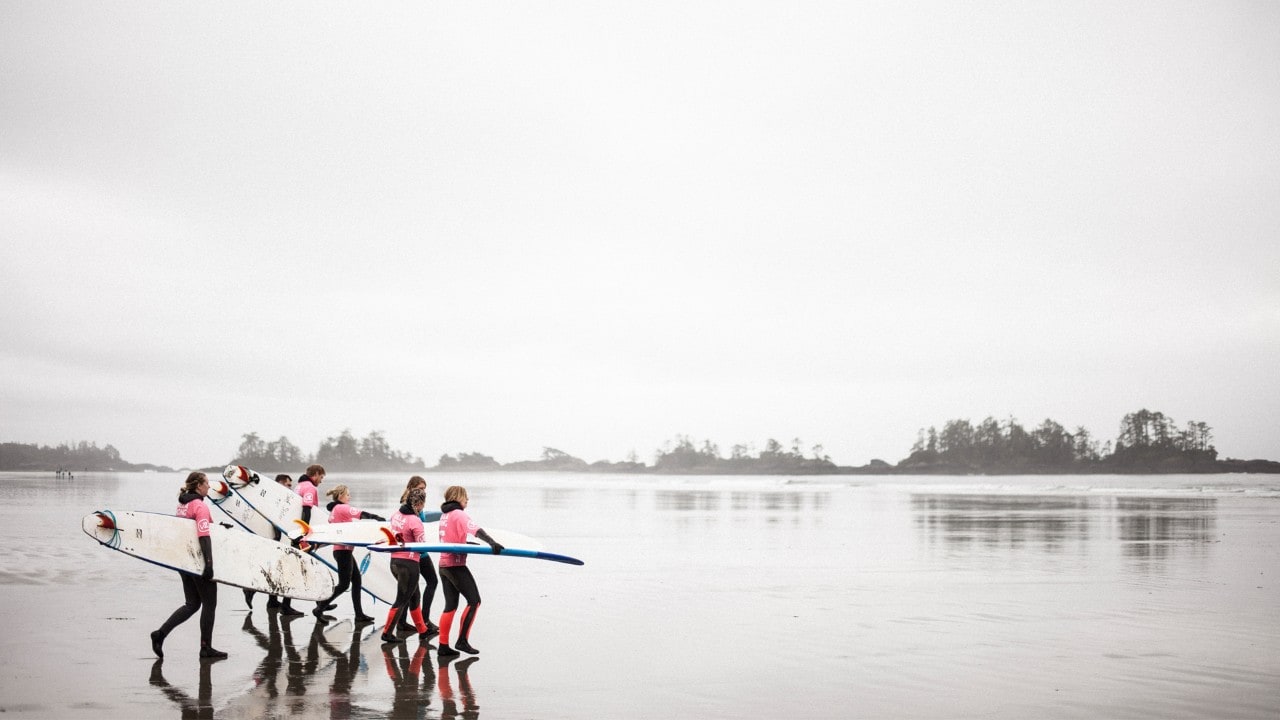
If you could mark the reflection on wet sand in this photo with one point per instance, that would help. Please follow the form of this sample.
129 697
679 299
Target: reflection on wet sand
770 501
1153 527
189 707
411 678
319 680
470 709
1145 527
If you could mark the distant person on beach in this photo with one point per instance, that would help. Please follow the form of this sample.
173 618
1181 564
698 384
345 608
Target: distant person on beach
341 511
201 591
407 528
425 566
273 601
455 576
308 488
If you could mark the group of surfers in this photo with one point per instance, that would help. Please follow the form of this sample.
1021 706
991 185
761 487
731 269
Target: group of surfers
412 605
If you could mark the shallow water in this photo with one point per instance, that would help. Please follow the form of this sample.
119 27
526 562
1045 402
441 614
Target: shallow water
704 597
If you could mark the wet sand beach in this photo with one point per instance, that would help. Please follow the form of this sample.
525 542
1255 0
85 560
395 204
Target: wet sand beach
722 597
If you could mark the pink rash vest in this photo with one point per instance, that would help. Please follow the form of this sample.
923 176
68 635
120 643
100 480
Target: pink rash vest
455 525
407 528
342 512
198 511
310 494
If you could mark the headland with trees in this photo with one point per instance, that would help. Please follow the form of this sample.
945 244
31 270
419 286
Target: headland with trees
1148 443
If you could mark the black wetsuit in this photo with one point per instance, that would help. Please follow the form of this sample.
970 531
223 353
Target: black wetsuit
200 593
348 573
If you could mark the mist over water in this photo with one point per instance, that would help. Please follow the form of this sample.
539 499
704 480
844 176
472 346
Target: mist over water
726 597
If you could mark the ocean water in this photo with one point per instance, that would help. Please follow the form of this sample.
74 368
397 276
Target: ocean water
702 597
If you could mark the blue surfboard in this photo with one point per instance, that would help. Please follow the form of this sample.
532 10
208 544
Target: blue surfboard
474 550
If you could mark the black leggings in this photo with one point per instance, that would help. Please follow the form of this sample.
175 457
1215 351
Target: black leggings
201 595
457 581
428 572
348 577
407 595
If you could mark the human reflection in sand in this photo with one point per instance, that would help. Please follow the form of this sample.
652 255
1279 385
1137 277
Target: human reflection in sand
303 676
411 678
191 708
344 676
268 670
470 708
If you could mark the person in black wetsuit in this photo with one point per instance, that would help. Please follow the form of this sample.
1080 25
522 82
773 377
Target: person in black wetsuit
273 601
200 591
425 568
340 511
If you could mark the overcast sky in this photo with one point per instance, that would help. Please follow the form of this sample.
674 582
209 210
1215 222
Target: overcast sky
593 226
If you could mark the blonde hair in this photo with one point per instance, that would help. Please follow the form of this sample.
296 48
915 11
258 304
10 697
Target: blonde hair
337 492
455 493
417 481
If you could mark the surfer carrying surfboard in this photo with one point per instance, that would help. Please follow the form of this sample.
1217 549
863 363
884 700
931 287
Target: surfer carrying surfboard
340 511
308 488
406 526
201 591
425 567
455 576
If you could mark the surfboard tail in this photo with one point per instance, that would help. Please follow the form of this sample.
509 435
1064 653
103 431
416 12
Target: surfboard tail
306 529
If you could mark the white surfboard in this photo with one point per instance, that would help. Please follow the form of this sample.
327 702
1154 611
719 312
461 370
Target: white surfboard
239 558
376 579
354 533
503 537
362 533
230 502
278 504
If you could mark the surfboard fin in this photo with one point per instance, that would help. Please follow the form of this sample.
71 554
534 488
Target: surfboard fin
306 529
105 521
391 539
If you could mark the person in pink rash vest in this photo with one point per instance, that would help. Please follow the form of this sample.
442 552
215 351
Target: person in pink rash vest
308 488
455 576
340 511
200 591
407 528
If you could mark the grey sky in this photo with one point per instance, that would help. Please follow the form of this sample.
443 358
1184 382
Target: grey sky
593 226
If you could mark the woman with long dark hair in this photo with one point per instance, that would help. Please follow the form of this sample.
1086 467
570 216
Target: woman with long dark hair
407 528
200 591
425 566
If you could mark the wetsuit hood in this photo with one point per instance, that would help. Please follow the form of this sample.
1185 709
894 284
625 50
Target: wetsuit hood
333 504
187 497
407 509
450 506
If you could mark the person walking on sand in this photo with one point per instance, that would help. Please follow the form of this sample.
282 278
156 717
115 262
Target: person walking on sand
406 526
425 567
455 576
200 591
341 511
272 600
309 489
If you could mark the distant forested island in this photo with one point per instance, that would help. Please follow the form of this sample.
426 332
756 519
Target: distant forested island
1148 443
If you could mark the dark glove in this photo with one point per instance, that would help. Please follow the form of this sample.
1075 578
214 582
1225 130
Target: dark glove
371 516
497 547
206 551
